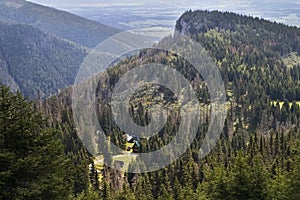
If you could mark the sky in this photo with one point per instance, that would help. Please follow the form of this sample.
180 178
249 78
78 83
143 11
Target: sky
285 11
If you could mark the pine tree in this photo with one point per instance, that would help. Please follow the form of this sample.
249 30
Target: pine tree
277 186
258 179
240 186
294 179
32 160
89 194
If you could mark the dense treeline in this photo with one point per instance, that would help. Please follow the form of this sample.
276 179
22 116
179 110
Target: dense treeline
249 166
256 157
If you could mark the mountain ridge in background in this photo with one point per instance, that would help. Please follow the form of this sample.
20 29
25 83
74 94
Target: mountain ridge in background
42 48
60 23
37 63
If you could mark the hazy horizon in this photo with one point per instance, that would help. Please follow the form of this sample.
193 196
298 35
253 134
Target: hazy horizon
287 12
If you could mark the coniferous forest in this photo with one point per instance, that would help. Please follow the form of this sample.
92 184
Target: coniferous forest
256 157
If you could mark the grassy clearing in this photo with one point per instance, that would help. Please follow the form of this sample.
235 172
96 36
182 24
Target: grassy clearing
127 157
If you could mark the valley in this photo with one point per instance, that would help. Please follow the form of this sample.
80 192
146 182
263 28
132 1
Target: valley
49 150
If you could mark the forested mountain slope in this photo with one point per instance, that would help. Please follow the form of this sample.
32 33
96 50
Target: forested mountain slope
41 48
257 155
60 23
248 50
37 62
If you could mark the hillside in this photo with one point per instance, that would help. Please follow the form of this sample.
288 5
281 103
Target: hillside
257 154
242 31
37 62
248 48
60 23
41 48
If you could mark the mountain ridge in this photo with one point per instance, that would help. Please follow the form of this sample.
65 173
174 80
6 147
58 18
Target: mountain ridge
42 48
61 23
37 62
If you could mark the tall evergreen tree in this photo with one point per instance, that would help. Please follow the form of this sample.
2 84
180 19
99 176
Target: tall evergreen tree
32 160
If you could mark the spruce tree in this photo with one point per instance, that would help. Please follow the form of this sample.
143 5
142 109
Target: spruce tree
32 160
